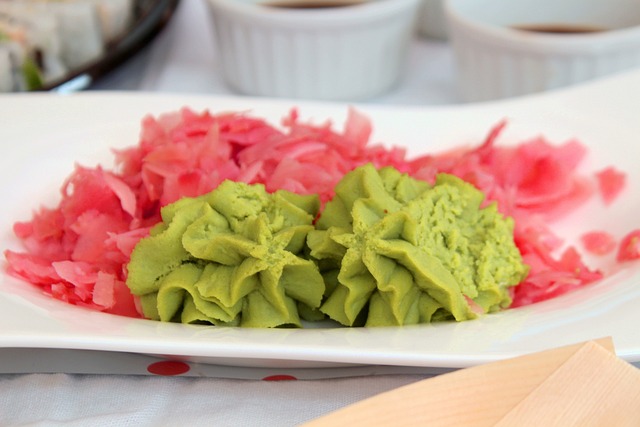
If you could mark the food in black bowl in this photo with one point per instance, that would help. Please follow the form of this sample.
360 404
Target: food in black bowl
47 43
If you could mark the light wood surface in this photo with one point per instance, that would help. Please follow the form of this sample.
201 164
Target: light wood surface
567 386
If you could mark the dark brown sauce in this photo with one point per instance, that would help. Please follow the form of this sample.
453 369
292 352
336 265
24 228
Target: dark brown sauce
312 4
559 28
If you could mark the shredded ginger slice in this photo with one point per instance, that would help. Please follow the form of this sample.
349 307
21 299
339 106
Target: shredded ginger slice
78 251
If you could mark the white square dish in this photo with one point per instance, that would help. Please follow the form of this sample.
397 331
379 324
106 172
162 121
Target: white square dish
39 154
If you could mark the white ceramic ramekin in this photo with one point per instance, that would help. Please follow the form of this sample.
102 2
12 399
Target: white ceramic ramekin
340 53
495 60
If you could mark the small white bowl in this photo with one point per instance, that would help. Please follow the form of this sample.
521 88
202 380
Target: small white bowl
495 59
338 53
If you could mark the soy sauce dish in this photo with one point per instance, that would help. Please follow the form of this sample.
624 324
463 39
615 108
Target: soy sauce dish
314 49
505 48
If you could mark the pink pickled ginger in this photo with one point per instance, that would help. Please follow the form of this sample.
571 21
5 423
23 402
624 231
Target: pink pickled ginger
77 252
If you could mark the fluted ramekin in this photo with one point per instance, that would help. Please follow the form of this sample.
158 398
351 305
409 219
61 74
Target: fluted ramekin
340 53
495 59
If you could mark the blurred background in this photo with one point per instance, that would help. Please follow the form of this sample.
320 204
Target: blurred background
182 56
411 52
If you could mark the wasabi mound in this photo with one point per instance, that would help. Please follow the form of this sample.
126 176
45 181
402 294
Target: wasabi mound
397 251
387 250
234 256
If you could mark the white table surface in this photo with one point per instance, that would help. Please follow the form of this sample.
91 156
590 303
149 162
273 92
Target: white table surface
183 59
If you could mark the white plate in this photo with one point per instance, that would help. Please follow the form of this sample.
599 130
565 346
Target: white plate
43 136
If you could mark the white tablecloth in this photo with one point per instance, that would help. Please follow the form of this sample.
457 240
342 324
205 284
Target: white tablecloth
111 400
183 59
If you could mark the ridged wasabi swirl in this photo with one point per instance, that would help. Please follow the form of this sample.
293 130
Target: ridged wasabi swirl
234 256
397 251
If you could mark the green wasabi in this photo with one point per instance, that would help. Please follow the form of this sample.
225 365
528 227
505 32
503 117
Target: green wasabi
398 251
234 256
387 250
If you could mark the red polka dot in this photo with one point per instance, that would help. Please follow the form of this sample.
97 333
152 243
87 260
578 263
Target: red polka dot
280 377
168 368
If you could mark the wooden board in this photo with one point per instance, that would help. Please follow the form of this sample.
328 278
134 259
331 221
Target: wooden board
571 384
